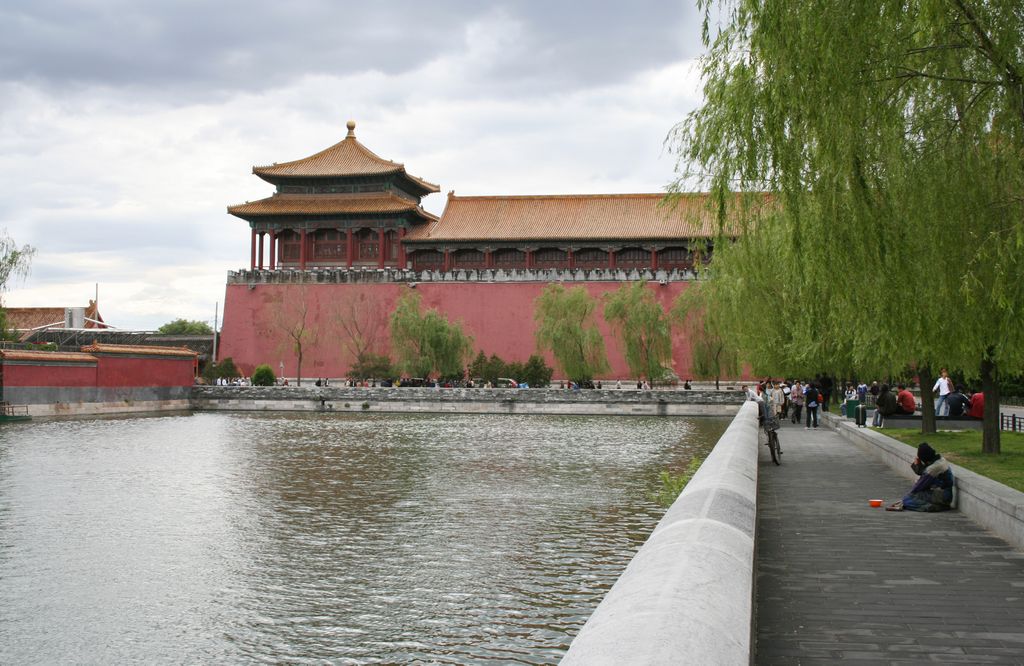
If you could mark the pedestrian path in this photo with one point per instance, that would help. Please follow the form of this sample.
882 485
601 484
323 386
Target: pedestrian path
840 581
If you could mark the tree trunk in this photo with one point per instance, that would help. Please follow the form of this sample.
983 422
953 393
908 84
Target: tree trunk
924 375
716 382
990 389
298 369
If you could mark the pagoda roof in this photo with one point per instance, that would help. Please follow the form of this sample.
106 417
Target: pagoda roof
330 204
575 217
348 157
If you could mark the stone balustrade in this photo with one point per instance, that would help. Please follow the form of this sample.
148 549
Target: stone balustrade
377 275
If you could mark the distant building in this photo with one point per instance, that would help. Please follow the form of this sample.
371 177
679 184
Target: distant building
27 321
345 219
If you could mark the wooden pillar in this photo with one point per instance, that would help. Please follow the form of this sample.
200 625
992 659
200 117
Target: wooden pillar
303 242
447 261
654 258
259 252
611 257
401 249
381 248
571 253
529 257
252 251
350 247
488 258
273 249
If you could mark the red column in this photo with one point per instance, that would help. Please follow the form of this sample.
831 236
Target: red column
273 249
447 260
654 258
488 258
611 258
529 258
303 241
381 248
572 258
259 252
252 251
401 249
350 249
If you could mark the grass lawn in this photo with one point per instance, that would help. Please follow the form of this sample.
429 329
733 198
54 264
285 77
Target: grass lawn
963 448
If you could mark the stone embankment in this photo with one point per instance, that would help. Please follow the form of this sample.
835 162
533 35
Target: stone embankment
687 596
606 402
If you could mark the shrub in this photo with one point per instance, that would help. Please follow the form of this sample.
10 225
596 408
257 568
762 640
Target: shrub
673 484
263 375
371 366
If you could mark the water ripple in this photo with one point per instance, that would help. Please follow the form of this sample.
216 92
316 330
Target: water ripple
346 539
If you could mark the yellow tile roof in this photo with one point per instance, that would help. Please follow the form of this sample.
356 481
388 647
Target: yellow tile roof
327 204
571 217
137 350
51 356
348 157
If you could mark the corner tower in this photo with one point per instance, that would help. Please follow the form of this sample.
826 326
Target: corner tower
343 207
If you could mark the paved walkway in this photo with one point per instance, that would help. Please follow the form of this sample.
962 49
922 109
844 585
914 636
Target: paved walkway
838 580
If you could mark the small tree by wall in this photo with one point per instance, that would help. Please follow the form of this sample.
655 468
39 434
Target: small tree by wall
565 326
643 328
426 342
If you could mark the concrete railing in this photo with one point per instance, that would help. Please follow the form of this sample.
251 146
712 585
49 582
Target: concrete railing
989 503
467 401
687 596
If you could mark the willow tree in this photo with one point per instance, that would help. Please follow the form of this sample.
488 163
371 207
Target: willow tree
14 262
566 327
643 328
698 313
891 135
426 342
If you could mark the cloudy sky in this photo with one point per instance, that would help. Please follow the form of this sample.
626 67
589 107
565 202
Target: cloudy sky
127 127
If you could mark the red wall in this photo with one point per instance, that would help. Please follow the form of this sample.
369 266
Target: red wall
72 376
117 370
498 315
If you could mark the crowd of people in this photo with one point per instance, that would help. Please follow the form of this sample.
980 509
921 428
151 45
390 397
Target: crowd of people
802 401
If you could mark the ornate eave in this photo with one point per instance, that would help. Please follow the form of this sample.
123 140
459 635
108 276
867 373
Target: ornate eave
319 205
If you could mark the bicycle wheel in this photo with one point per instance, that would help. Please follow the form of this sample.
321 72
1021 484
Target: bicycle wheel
773 446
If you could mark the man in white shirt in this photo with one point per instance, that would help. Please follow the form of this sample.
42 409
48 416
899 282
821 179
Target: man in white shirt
944 386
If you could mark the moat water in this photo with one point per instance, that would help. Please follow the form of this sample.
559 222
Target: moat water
349 539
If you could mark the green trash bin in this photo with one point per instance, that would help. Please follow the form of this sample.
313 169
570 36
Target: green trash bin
851 408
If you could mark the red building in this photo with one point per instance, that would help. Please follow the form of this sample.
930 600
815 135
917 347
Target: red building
344 218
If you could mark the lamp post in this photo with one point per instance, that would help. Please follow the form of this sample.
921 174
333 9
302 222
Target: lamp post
280 373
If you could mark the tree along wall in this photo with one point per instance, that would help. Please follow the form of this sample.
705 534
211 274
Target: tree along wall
498 315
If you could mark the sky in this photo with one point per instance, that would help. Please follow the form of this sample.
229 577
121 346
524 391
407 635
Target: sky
127 127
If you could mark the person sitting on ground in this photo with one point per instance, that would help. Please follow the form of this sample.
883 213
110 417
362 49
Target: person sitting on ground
977 408
934 488
885 405
957 402
905 400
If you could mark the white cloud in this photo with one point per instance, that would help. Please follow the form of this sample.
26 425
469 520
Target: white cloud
126 184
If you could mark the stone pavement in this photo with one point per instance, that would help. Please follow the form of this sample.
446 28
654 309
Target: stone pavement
838 580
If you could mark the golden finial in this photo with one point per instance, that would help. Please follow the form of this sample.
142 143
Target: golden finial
351 128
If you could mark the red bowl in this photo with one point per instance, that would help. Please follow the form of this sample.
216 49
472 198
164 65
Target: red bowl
875 502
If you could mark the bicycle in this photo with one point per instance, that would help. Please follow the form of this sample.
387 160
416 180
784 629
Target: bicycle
771 426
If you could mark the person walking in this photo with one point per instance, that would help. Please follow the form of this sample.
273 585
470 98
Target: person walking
812 398
796 395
